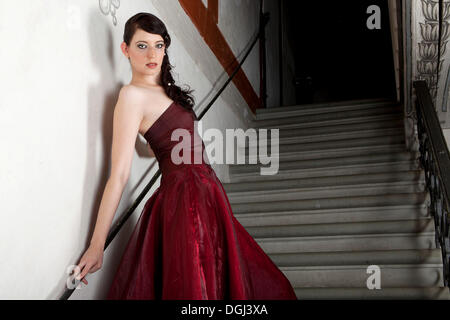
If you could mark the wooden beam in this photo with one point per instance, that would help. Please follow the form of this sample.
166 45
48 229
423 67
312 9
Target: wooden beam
205 20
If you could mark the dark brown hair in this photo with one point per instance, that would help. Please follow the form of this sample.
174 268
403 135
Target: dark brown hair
152 24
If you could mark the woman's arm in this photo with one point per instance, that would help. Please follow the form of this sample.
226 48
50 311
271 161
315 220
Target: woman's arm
127 118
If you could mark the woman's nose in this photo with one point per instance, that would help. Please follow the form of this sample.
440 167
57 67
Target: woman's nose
151 53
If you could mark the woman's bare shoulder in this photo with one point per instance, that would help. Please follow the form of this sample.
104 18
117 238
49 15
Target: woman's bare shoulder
140 94
131 92
131 96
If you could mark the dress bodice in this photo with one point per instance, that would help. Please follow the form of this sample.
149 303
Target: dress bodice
175 141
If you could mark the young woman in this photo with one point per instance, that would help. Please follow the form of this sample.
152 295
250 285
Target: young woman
187 244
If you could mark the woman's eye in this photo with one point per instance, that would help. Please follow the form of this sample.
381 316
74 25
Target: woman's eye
143 46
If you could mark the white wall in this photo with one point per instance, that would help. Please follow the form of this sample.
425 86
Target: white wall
62 68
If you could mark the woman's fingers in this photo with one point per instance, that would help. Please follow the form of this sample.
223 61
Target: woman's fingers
87 269
79 268
88 264
81 264
83 272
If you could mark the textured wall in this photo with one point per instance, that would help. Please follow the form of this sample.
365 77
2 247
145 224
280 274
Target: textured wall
422 32
426 64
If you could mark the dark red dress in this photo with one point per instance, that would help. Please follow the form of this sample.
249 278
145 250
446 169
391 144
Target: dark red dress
187 244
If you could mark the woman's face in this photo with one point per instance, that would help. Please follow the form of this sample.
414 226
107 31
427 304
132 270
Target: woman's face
146 48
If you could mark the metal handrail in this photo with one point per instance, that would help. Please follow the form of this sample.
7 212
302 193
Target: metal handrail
264 18
435 160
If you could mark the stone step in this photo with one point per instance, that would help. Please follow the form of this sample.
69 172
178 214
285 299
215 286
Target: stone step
331 118
301 110
331 158
326 192
394 123
410 293
363 102
356 141
363 242
341 215
267 141
396 167
333 113
377 257
347 228
342 179
356 276
345 201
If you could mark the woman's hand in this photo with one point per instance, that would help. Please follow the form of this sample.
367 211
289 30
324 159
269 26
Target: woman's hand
90 262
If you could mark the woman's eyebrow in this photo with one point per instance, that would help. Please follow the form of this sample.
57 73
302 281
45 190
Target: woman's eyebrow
147 42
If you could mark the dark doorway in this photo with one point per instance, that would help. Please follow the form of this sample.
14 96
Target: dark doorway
336 56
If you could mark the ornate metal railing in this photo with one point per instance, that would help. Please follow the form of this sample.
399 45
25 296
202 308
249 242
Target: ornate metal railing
435 160
264 19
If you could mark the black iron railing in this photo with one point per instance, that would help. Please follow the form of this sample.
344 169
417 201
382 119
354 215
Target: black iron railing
435 160
264 18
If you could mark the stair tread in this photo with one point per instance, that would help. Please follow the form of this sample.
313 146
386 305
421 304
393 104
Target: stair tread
326 122
340 199
328 211
378 235
327 114
362 266
326 145
315 105
324 109
353 170
332 136
332 187
400 147
281 224
316 161
327 177
333 293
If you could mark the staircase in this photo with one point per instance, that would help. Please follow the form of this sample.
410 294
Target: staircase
348 195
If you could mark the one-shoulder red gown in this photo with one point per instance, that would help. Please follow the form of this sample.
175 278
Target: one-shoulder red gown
187 244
